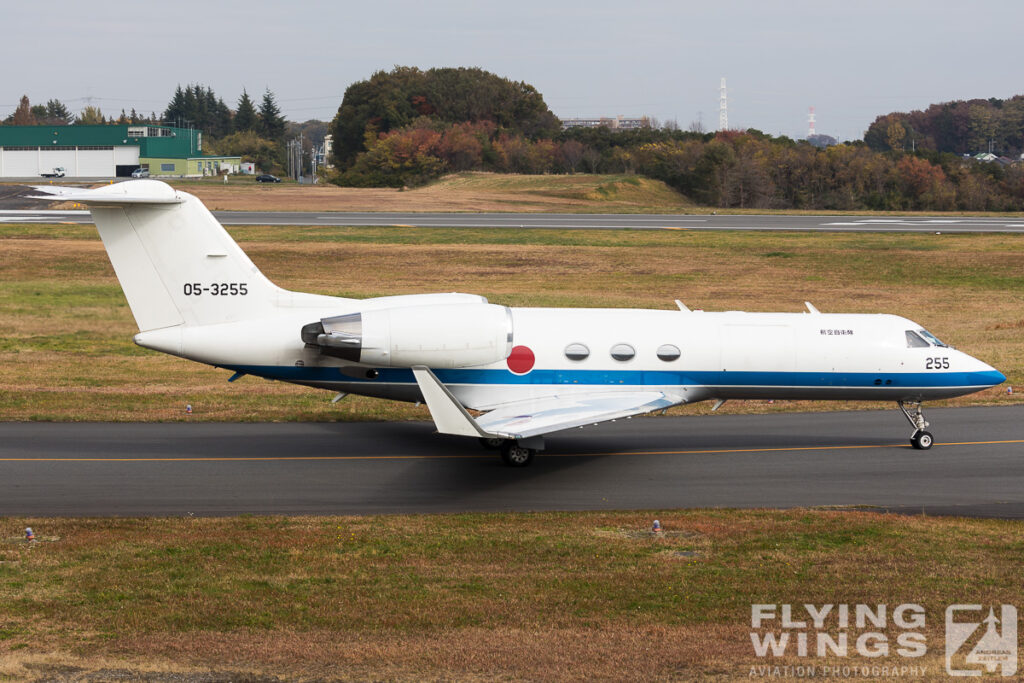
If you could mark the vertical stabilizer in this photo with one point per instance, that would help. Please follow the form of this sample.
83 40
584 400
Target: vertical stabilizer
174 260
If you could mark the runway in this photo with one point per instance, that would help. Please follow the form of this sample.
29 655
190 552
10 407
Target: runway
778 460
920 224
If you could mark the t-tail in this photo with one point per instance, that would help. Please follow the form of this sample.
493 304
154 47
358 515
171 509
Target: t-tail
176 263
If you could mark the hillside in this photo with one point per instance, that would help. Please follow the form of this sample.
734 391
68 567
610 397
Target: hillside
469 192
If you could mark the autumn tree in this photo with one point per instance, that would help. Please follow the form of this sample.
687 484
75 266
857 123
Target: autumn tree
22 116
571 153
91 116
266 154
393 100
398 158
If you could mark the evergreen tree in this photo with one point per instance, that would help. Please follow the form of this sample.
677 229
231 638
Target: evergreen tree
57 113
176 112
245 116
271 122
199 107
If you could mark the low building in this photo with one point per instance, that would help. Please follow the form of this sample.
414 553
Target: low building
620 122
108 151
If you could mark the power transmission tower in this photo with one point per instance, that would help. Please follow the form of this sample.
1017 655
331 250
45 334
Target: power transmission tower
723 109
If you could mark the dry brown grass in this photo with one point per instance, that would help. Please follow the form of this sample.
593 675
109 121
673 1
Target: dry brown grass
66 351
550 596
473 192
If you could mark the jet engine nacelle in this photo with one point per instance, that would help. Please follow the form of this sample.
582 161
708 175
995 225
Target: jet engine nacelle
438 336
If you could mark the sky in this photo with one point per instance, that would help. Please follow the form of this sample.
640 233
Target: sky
851 60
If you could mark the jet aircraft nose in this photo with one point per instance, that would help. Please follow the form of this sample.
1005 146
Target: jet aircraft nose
989 375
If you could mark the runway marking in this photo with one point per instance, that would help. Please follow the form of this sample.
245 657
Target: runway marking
489 456
254 458
785 449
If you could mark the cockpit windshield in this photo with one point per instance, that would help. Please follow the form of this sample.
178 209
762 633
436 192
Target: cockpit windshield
932 339
914 340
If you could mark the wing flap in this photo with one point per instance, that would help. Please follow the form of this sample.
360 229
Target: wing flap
524 419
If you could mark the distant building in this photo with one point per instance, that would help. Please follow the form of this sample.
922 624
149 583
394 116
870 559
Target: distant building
108 151
328 159
618 123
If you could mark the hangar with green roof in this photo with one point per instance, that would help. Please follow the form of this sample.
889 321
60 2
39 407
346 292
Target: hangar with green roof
108 151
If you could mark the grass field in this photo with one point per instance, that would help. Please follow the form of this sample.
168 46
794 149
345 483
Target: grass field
471 597
66 351
546 596
472 192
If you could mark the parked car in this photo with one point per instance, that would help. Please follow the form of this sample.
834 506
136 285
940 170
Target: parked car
55 173
267 178
140 173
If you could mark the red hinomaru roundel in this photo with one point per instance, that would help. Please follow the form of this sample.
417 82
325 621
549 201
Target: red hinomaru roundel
521 360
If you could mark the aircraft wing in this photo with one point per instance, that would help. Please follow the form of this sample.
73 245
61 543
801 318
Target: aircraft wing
525 419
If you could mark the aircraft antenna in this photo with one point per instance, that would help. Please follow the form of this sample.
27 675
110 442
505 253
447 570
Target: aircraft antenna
723 109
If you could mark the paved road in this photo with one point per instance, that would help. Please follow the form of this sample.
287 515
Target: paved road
577 221
781 460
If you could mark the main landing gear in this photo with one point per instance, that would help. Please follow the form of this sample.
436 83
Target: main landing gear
921 439
512 453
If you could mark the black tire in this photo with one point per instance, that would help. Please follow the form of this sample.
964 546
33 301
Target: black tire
492 443
514 455
921 440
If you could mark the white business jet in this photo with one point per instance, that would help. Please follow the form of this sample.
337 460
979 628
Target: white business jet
527 371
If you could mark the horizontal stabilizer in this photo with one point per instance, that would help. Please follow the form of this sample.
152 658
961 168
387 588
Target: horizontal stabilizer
133 192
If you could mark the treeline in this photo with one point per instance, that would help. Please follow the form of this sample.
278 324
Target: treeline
407 127
733 169
958 127
752 170
256 133
56 113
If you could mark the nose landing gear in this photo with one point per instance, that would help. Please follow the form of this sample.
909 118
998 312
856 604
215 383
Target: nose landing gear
921 439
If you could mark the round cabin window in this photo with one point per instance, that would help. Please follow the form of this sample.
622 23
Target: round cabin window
623 352
668 352
577 352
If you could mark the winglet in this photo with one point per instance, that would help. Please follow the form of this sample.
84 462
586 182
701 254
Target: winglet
682 306
449 415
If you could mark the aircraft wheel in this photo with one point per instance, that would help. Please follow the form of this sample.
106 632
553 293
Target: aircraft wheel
514 455
921 440
493 443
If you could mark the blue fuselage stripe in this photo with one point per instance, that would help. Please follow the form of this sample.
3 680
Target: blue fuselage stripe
658 378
